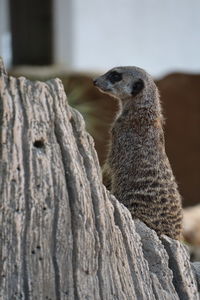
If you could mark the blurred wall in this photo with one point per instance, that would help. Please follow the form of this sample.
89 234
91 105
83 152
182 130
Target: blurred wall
63 15
31 27
91 35
5 36
160 36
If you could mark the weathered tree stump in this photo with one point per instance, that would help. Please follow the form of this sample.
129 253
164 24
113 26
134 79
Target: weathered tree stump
63 235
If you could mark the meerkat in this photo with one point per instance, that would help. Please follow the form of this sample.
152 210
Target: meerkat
139 169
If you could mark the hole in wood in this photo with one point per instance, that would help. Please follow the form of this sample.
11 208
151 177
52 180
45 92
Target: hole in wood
38 144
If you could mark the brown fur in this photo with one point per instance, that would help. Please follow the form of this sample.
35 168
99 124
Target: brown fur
140 173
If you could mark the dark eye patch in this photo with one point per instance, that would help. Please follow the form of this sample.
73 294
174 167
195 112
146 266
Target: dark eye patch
137 87
114 76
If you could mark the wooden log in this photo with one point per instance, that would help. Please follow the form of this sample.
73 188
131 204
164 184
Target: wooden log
62 234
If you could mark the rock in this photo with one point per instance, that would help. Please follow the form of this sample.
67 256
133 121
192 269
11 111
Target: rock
157 258
196 271
183 277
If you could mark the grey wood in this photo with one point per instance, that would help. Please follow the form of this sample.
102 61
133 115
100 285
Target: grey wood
62 234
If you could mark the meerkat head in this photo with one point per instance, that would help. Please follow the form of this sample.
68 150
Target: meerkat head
125 83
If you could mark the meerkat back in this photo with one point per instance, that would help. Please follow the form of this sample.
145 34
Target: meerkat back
139 170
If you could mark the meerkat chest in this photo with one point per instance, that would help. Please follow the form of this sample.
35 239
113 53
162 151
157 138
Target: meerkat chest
126 146
133 146
132 137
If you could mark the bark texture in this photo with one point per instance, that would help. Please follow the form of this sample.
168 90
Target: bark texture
63 235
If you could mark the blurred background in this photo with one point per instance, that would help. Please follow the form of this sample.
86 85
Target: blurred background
77 40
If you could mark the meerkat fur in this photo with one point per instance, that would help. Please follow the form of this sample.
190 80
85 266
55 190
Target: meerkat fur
139 169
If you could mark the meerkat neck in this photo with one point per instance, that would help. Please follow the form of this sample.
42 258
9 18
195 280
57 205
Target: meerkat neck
133 109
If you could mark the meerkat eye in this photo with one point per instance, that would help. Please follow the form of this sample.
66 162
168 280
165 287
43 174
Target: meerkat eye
137 87
114 76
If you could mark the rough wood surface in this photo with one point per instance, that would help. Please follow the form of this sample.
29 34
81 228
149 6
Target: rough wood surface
63 235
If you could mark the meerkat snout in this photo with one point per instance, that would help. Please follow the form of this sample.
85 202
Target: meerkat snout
122 82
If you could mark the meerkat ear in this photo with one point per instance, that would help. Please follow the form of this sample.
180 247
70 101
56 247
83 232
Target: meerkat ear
137 86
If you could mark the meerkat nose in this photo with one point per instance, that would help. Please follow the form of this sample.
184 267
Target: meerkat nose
95 82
